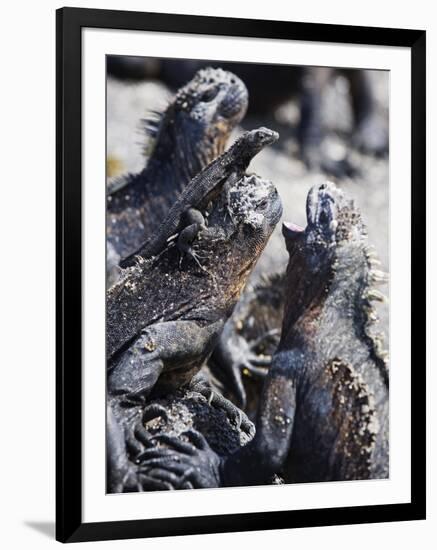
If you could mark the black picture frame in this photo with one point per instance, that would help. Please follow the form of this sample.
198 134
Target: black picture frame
69 525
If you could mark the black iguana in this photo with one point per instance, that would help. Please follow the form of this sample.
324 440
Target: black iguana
145 295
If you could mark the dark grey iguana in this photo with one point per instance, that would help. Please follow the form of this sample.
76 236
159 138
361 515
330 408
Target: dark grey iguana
324 406
324 413
191 132
163 318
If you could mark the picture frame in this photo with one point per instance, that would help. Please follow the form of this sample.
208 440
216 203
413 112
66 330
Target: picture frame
71 22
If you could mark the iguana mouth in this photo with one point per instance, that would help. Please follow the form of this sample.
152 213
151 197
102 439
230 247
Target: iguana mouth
291 230
332 222
323 204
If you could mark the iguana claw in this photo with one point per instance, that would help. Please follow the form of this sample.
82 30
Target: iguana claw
182 464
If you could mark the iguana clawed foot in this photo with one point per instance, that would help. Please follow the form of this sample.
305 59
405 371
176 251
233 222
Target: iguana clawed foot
194 223
181 463
255 360
151 417
235 356
215 399
140 437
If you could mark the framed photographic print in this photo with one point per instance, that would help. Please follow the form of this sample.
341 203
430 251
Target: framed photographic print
240 256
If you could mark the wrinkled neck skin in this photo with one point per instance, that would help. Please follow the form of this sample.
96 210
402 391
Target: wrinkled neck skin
229 258
325 298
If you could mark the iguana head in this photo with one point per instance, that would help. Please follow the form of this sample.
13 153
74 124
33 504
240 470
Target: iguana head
199 120
333 222
239 227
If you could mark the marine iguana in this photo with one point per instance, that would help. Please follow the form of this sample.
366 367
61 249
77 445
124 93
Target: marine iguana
127 312
163 321
324 412
191 132
230 166
324 407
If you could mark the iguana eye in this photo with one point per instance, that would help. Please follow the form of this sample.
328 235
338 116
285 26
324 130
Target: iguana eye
209 95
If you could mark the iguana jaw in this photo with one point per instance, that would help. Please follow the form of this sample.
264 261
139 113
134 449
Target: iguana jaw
291 231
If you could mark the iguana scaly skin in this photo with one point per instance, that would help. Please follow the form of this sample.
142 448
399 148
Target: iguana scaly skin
164 317
156 297
324 406
190 418
191 132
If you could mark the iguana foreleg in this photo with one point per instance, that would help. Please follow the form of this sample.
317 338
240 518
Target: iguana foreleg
264 456
168 345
